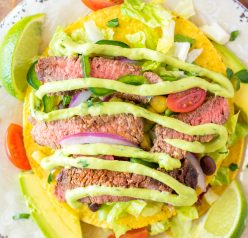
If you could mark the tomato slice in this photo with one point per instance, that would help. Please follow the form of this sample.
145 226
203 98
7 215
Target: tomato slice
186 101
138 233
14 147
99 4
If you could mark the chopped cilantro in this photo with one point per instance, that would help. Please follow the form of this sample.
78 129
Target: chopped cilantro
50 178
223 152
182 38
168 78
113 23
229 73
21 216
233 167
234 35
90 103
242 75
83 163
66 100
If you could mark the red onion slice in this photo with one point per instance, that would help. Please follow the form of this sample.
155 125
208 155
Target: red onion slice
79 98
201 177
92 138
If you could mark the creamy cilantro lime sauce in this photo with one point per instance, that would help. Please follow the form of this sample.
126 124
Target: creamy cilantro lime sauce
185 196
115 108
161 88
148 54
164 160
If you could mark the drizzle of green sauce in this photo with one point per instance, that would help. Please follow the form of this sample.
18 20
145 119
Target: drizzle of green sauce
185 196
91 49
164 160
115 108
161 88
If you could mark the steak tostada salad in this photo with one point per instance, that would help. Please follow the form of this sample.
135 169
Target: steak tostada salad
130 124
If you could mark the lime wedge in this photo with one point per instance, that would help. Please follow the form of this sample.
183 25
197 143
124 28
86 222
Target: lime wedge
17 50
227 216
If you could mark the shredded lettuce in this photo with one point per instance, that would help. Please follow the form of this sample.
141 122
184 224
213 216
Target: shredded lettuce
108 33
150 66
80 36
222 177
232 123
112 212
182 223
241 131
151 209
153 15
136 207
138 39
58 42
93 32
159 227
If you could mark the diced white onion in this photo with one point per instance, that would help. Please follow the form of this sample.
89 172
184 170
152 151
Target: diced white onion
193 55
181 50
184 8
216 33
211 196
93 32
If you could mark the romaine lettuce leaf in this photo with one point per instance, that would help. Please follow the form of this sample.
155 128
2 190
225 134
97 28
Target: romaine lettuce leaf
138 39
58 42
159 227
222 177
241 131
112 212
80 36
153 15
182 223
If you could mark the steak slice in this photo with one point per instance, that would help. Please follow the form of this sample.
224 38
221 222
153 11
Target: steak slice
62 68
74 178
125 125
214 110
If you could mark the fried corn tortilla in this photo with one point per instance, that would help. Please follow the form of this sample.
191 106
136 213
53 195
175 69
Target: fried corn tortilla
209 59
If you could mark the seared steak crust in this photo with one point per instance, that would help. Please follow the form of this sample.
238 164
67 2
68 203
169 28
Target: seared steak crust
73 178
49 133
214 110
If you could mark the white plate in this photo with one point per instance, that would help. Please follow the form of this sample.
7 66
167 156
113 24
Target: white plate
229 13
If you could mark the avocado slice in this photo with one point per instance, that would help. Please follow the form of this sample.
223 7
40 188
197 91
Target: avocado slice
231 61
53 220
229 58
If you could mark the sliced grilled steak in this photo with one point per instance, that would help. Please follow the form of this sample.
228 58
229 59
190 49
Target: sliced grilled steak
49 133
214 110
62 68
73 178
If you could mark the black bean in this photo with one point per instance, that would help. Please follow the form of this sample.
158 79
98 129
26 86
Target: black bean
94 207
208 165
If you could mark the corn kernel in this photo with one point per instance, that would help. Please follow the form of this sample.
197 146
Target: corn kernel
159 103
146 144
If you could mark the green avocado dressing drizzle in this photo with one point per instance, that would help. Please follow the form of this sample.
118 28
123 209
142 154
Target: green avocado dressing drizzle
115 108
164 160
161 88
185 196
91 49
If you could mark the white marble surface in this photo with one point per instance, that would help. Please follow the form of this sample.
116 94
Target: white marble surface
226 12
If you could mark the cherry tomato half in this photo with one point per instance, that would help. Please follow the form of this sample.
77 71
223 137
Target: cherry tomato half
186 101
99 4
138 233
14 147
